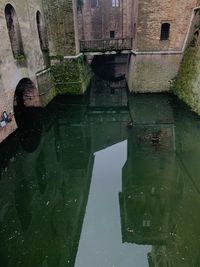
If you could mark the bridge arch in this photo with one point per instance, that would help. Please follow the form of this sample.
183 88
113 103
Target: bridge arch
27 114
110 67
26 94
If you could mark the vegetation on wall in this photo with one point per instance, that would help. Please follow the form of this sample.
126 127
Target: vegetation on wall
187 83
71 76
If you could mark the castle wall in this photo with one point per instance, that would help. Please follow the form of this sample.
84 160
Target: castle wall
153 73
35 60
155 62
187 82
97 22
60 19
12 70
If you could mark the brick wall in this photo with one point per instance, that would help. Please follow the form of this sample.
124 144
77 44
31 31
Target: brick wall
96 23
59 16
151 14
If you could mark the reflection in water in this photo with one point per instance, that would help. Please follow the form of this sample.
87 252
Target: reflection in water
29 127
23 203
100 243
93 192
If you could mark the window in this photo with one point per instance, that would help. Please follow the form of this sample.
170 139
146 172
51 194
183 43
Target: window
94 3
112 34
14 31
41 31
165 30
115 3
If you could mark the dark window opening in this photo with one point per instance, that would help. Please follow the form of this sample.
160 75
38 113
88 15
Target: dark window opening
112 34
94 3
165 30
42 38
14 31
41 31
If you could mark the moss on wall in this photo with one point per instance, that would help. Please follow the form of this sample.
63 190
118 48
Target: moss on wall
187 83
71 76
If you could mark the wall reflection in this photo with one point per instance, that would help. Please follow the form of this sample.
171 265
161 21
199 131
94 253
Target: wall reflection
44 194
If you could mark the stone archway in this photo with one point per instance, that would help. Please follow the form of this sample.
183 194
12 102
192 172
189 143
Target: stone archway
110 67
27 110
26 94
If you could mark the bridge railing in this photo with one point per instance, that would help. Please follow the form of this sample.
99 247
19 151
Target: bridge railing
102 45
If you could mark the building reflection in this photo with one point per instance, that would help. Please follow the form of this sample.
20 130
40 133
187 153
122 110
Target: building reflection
151 180
42 215
159 198
43 194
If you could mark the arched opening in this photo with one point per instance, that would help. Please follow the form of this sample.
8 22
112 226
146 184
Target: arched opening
28 114
26 94
42 37
110 67
41 31
14 31
165 31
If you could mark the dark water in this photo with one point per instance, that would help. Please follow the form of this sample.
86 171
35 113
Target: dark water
81 189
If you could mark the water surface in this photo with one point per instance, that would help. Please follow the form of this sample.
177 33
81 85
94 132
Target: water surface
79 188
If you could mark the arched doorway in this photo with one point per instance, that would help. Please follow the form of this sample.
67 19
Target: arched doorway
28 114
26 94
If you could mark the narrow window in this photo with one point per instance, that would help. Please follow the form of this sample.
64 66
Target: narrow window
112 34
165 30
115 3
94 3
14 31
41 31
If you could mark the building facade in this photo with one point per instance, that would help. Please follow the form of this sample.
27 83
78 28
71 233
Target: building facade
44 44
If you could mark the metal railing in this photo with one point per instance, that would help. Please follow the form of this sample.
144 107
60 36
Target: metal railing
103 45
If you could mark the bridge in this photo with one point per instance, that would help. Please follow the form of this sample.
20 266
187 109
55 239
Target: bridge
103 45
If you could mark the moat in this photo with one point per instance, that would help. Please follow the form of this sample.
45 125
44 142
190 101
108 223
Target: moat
82 187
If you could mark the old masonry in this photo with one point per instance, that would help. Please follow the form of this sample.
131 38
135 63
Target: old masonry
47 48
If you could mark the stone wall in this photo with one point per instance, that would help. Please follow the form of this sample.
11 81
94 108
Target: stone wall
155 63
13 69
71 75
59 16
59 26
152 73
152 13
187 83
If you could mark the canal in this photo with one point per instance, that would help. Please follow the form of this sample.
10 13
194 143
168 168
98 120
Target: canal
81 186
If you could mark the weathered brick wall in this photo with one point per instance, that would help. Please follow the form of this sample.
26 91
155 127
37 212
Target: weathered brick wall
12 70
154 70
60 26
152 13
96 23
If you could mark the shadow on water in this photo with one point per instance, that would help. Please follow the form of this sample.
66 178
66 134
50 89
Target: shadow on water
29 122
23 203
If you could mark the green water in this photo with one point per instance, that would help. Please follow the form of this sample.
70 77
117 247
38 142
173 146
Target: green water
80 189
